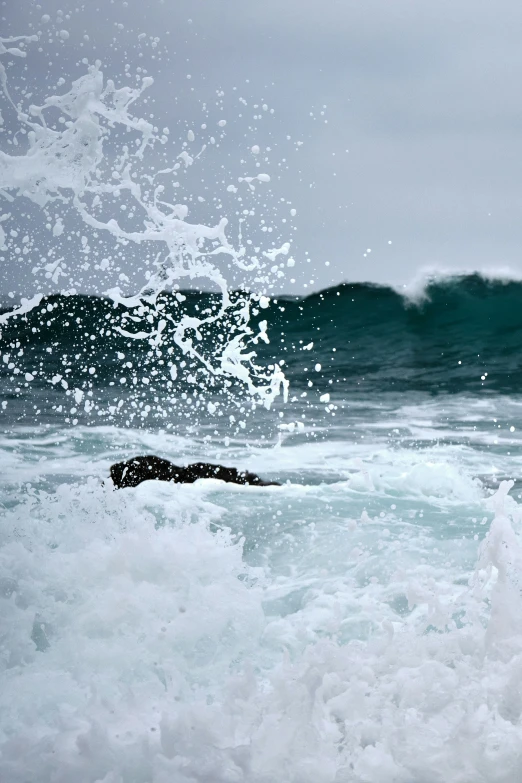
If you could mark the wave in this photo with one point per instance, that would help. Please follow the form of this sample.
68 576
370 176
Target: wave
461 333
464 334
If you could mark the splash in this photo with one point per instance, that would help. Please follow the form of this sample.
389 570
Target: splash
88 155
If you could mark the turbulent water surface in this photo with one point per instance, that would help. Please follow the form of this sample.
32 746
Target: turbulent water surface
363 622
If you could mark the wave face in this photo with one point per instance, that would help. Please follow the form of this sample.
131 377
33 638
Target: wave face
463 335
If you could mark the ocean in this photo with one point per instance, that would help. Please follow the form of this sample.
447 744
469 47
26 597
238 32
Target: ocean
362 622
359 623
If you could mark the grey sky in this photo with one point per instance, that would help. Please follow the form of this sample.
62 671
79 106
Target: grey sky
420 142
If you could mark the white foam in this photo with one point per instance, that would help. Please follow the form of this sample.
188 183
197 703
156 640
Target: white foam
140 642
415 290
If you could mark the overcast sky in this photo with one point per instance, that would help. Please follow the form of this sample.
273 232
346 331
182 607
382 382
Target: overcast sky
409 113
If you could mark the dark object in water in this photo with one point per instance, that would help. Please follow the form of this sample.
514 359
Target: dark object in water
138 469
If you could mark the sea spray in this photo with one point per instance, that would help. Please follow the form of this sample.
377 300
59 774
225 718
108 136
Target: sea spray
88 154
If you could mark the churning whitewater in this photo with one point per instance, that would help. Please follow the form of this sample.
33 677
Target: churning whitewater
360 623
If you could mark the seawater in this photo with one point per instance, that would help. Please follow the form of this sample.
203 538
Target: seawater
361 623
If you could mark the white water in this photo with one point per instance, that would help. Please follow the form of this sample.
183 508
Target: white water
349 631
